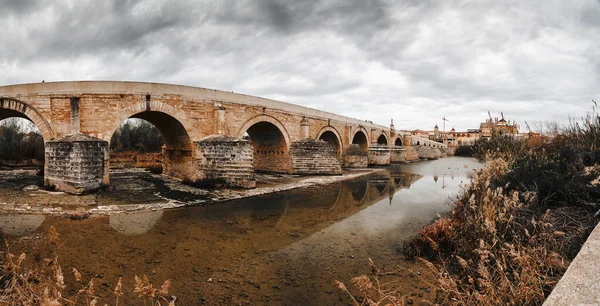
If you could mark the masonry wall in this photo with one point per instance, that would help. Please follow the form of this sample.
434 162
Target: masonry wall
429 152
397 155
314 157
411 153
76 166
379 155
225 158
355 157
178 163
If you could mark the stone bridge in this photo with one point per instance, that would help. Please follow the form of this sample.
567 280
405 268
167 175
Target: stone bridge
208 134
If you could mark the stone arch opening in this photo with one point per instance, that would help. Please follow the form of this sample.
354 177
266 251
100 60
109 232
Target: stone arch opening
398 142
171 148
14 108
22 140
418 143
360 138
382 140
331 138
270 148
21 143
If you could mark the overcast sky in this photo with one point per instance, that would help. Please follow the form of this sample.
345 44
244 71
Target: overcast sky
415 61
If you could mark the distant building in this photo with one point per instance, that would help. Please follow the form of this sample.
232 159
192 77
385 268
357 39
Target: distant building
501 126
455 138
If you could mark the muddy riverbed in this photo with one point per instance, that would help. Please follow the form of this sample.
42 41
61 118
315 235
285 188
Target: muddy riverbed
283 248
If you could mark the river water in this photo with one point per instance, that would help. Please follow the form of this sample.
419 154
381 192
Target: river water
285 248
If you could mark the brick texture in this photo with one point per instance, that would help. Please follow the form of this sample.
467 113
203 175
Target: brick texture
314 157
76 163
226 158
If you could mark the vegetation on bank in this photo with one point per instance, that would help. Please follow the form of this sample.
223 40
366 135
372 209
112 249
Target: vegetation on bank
514 230
18 143
33 279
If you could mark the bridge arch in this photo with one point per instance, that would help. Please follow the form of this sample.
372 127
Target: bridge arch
382 139
332 136
398 141
177 151
360 138
166 118
15 108
270 144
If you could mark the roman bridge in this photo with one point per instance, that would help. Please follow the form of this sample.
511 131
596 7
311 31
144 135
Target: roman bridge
208 134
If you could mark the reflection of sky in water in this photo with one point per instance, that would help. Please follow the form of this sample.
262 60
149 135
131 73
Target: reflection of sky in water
420 202
20 225
135 223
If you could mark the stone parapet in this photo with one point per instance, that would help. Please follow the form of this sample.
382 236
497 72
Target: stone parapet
76 163
220 157
314 157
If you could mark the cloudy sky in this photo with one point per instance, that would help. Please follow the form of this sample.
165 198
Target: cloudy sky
415 61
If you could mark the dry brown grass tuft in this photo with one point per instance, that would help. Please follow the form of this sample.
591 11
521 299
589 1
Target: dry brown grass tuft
38 281
499 246
371 291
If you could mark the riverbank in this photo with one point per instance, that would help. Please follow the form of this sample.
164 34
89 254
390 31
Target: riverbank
141 190
273 249
514 231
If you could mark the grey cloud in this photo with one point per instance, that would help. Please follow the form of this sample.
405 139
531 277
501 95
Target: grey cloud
373 59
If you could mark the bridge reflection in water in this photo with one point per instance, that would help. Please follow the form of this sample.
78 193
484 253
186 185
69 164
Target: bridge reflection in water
290 244
343 198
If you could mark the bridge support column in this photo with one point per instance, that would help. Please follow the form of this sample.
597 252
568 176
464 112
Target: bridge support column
76 163
397 155
178 162
379 155
314 157
225 158
355 157
429 152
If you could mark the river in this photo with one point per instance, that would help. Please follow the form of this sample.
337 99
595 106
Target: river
285 248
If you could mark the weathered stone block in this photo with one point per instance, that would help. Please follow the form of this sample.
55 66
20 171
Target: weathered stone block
220 157
429 152
76 163
411 153
314 157
379 155
397 155
355 157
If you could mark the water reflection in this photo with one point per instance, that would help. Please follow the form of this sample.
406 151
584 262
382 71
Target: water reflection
20 225
135 223
286 246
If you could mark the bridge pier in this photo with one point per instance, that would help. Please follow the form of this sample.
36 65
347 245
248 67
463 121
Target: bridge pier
355 157
397 155
314 157
379 155
178 162
76 163
220 157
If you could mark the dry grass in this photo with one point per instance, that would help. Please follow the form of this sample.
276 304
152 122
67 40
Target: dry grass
133 159
41 281
371 291
514 230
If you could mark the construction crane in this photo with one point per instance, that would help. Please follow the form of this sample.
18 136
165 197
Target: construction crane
444 123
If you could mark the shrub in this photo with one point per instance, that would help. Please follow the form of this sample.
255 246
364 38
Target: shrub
514 230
